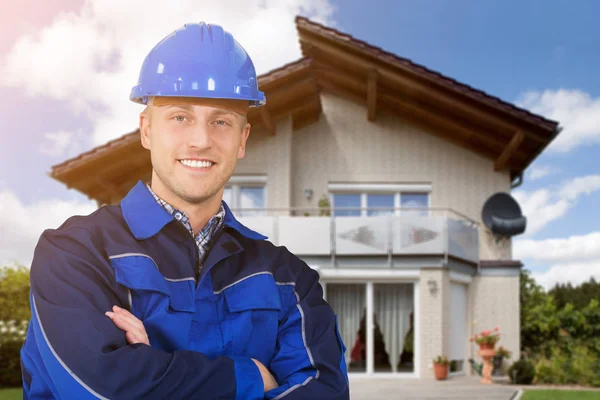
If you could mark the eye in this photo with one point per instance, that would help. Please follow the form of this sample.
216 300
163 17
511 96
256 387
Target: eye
179 118
221 122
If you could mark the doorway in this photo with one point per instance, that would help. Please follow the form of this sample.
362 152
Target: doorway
390 309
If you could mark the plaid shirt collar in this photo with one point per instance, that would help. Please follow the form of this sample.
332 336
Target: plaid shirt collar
205 235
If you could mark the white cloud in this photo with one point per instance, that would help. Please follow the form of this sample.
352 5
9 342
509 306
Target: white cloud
575 273
61 144
576 111
581 185
91 59
573 259
542 171
572 249
26 223
540 208
543 206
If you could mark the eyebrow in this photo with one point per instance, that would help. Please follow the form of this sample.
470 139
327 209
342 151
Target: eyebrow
218 112
185 107
214 113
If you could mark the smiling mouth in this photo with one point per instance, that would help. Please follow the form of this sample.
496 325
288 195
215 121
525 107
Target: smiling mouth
197 164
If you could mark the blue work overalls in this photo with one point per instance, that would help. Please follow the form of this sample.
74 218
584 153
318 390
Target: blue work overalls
251 300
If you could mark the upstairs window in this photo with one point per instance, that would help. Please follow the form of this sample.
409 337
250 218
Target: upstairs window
244 192
348 200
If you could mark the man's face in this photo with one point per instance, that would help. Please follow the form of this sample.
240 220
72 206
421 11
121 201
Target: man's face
194 148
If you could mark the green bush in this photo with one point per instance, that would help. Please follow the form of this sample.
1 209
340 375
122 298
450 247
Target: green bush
560 331
10 363
14 319
522 372
591 315
571 362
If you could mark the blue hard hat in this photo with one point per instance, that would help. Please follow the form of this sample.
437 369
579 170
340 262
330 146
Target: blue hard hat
198 60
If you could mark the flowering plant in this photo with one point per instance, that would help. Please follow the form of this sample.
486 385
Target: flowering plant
503 352
443 360
487 337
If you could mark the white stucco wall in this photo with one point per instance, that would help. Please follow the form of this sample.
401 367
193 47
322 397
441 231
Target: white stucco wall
343 146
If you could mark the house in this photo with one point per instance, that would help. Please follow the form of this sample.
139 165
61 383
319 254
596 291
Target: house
374 170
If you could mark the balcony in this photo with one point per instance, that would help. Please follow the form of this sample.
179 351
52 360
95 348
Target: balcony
378 233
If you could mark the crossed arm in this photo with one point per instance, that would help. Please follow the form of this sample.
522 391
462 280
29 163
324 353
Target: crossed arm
73 350
135 333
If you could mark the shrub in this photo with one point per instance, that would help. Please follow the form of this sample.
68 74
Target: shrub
571 362
14 319
591 315
503 352
522 372
10 363
549 371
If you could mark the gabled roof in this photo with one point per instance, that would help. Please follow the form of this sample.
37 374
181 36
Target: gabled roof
338 63
511 136
421 71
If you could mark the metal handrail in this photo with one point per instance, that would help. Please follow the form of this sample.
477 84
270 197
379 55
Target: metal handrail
331 209
334 220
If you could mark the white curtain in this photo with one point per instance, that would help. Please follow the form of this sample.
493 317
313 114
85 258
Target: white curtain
348 302
393 306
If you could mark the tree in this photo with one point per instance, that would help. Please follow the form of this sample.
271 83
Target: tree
580 295
539 319
14 293
14 318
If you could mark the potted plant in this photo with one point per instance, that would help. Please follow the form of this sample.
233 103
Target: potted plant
324 206
487 339
501 354
440 367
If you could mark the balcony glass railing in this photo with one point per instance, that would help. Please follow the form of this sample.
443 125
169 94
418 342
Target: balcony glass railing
377 232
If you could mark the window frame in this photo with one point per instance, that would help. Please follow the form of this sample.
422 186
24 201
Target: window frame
237 182
365 189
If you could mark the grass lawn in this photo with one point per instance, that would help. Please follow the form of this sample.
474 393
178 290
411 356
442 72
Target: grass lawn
560 395
11 394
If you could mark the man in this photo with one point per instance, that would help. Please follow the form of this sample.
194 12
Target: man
167 295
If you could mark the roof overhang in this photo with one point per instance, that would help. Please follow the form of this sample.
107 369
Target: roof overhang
511 136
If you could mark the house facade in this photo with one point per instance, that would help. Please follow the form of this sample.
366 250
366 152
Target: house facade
374 171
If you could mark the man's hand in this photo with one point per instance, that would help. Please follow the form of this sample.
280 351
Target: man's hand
133 327
136 333
268 379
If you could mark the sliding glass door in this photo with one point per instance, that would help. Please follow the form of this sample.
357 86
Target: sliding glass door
348 302
389 309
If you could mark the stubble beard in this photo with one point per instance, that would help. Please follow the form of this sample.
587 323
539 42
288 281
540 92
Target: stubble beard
179 189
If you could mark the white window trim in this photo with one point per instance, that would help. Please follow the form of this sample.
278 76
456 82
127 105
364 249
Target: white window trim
237 181
379 187
364 189
412 278
247 179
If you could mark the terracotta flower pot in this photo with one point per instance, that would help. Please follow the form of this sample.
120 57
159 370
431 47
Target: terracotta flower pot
486 346
440 371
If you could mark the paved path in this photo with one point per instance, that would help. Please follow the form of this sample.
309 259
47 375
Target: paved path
455 388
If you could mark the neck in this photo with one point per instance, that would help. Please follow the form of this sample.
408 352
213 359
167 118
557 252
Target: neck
198 213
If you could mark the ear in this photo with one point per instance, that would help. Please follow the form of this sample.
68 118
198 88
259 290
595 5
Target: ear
245 134
145 129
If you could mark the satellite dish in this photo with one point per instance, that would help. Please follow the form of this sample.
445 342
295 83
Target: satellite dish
502 215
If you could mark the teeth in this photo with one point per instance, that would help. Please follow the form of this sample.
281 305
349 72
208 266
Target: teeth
196 164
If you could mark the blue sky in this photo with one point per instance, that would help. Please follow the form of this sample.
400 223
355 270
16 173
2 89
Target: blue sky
544 55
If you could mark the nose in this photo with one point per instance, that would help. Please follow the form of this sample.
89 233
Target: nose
200 137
